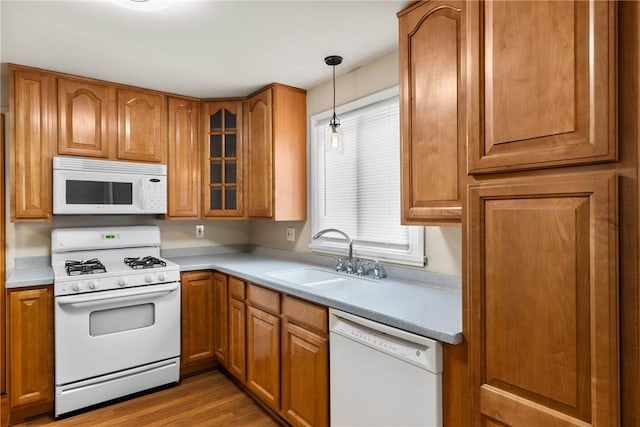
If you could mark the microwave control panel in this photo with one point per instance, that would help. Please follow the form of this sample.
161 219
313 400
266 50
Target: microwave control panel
154 194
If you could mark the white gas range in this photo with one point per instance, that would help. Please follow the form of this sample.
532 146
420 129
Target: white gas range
117 314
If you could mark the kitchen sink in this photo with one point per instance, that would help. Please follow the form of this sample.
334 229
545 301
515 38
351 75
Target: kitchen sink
308 276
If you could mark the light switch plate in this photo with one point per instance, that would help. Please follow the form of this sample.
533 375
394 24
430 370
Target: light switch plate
291 234
199 231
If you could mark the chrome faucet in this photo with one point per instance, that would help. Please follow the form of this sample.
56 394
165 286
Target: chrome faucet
335 230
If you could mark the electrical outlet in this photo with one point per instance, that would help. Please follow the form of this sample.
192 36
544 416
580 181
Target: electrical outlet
291 234
199 231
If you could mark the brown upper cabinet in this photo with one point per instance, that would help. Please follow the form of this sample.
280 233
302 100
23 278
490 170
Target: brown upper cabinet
142 126
32 137
60 114
432 44
543 84
223 159
183 166
86 118
100 119
277 154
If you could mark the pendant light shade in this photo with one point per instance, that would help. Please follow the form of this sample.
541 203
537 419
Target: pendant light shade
335 136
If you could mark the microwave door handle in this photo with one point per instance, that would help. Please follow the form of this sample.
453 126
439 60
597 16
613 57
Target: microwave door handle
120 295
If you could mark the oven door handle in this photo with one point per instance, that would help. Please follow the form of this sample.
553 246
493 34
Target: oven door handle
120 295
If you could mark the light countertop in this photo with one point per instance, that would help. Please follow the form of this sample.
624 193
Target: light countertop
421 308
30 276
431 311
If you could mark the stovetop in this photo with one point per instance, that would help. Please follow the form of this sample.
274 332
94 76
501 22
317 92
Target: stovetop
95 266
92 272
101 259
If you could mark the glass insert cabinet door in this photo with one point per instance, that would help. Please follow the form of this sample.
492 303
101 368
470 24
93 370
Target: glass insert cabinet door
223 159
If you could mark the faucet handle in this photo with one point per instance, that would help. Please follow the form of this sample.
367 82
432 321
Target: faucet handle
362 267
378 271
349 266
339 264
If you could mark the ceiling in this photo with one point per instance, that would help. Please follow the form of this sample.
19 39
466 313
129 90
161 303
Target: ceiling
199 48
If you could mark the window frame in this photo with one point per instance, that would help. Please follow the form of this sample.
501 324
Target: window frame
333 244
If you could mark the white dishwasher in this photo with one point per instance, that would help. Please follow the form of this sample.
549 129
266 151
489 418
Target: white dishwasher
382 376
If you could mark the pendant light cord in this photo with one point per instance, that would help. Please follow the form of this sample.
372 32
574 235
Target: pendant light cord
332 61
334 93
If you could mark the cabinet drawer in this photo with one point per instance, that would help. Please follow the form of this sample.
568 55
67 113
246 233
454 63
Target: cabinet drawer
263 298
236 288
305 313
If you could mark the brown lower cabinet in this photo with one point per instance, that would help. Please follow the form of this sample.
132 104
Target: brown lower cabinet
237 312
220 317
263 344
305 363
30 347
278 346
198 308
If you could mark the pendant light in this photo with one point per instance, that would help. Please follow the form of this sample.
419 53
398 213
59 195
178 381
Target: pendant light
335 137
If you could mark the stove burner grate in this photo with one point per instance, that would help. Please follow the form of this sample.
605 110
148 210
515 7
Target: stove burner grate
90 266
146 262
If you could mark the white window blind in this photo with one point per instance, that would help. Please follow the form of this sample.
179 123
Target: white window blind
358 190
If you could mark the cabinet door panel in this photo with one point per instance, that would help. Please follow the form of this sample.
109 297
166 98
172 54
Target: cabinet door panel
223 160
544 300
142 118
263 356
32 144
547 84
237 346
86 116
220 317
30 347
198 306
184 159
260 155
432 50
305 372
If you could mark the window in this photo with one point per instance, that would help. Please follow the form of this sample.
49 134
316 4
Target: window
358 190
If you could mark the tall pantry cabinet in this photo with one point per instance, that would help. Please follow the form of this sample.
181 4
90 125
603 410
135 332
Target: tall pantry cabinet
542 246
537 102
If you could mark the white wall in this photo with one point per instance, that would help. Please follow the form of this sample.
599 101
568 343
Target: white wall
443 244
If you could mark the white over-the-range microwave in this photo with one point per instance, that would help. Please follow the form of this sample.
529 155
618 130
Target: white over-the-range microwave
86 186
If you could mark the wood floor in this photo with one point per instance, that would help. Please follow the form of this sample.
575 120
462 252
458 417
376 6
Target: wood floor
208 399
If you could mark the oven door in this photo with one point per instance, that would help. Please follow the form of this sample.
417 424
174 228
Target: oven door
104 332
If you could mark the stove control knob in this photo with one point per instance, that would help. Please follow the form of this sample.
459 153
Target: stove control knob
93 284
148 278
162 277
76 287
123 281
